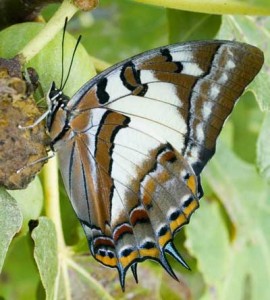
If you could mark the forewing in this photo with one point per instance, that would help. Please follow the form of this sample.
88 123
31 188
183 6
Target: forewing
183 92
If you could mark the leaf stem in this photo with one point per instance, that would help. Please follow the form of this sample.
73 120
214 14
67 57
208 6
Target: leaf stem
54 25
52 200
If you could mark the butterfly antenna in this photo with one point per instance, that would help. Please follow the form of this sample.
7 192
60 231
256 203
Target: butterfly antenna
72 58
62 54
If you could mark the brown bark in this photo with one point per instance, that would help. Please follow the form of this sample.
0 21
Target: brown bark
18 11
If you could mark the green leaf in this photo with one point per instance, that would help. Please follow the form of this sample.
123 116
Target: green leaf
250 7
188 26
239 267
66 275
246 120
31 197
48 62
19 277
122 29
46 255
252 31
263 149
10 222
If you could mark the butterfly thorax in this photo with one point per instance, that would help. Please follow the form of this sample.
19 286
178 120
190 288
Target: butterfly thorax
58 117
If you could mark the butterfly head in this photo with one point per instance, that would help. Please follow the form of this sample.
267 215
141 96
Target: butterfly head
56 100
56 95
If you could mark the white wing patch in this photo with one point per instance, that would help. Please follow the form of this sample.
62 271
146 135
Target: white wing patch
117 204
183 56
215 90
115 87
207 109
200 132
165 92
191 68
160 120
147 76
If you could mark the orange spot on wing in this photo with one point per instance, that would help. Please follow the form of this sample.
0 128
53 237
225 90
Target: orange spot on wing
103 242
153 252
192 184
164 239
163 177
138 215
190 209
119 232
167 156
106 260
149 187
175 224
126 260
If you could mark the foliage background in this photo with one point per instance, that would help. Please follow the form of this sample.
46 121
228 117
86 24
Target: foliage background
227 243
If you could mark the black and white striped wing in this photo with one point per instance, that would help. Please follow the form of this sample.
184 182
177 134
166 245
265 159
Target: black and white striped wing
140 134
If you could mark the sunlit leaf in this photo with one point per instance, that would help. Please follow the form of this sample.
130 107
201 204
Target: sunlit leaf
188 26
239 266
263 149
250 7
45 254
246 120
252 31
32 197
48 62
10 222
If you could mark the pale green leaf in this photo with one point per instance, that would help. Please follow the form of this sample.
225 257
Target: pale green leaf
31 197
263 149
48 62
10 222
46 255
239 267
251 30
212 245
246 120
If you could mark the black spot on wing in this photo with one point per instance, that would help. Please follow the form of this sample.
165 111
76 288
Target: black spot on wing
102 95
133 82
163 230
135 73
179 67
166 53
148 245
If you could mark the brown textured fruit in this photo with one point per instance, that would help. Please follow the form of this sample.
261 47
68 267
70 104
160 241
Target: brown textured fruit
19 147
86 5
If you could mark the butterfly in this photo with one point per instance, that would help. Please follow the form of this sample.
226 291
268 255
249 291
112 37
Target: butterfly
133 141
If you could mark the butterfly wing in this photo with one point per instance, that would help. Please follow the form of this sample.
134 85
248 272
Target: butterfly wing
140 134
